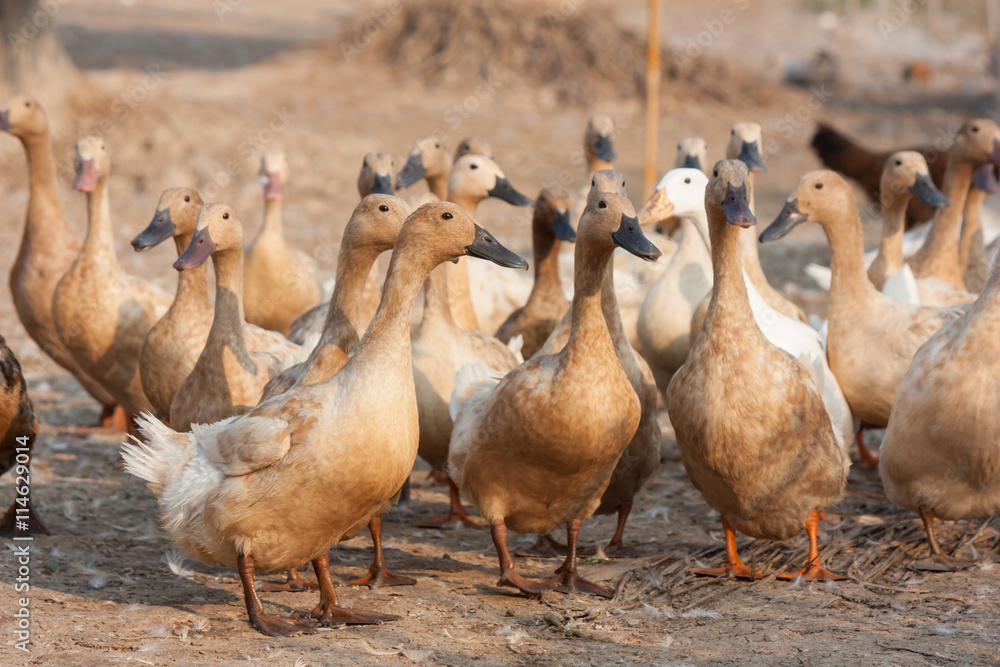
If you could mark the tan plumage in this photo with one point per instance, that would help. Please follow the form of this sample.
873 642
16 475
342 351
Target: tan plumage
172 346
277 486
372 230
871 338
18 430
905 174
101 313
539 448
547 303
41 263
232 369
941 452
977 143
281 282
753 433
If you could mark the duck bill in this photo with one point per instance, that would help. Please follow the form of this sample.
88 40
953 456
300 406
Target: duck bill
487 247
736 206
750 156
924 189
630 237
274 189
604 149
199 250
382 185
985 179
561 228
505 191
995 154
691 162
86 176
412 171
5 120
789 218
658 208
156 232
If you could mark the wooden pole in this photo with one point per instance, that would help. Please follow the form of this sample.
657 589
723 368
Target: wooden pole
652 98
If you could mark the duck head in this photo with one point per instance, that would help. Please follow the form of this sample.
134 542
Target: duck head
476 177
977 142
274 174
91 163
692 153
444 231
744 145
428 159
376 175
176 215
821 196
552 214
23 117
597 141
679 194
905 173
473 146
728 192
218 229
609 221
376 222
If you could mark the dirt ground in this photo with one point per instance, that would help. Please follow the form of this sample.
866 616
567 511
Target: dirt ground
187 93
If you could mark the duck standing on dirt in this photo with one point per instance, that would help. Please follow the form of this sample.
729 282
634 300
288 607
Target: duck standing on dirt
19 428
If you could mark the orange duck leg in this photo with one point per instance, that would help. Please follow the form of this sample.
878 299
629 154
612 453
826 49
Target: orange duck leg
813 570
734 567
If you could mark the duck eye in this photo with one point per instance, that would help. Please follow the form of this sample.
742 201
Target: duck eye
593 182
473 166
225 216
447 216
687 180
187 197
678 147
437 145
27 104
899 163
715 173
602 204
383 208
975 128
732 133
819 186
623 184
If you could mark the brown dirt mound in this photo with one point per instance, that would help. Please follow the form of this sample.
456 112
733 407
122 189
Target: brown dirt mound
574 48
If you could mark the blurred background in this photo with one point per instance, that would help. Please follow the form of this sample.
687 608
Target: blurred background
190 92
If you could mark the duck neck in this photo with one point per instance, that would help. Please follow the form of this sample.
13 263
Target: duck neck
849 280
972 224
271 229
343 318
388 335
227 327
589 335
437 302
438 184
100 237
942 239
45 218
729 305
548 286
891 245
748 242
192 284
595 165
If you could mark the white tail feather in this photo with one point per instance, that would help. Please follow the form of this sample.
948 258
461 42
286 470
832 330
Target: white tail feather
154 459
515 345
467 380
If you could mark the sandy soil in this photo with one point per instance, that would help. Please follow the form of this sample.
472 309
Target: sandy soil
102 589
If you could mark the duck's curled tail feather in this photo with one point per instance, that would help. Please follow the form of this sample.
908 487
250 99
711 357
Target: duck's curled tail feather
160 458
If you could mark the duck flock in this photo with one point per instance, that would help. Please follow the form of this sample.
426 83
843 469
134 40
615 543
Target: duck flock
270 424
